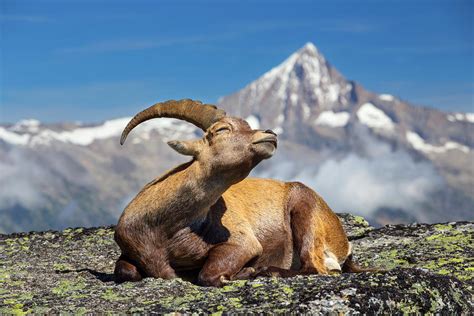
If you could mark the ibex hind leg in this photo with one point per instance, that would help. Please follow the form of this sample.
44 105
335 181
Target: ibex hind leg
308 245
308 242
126 271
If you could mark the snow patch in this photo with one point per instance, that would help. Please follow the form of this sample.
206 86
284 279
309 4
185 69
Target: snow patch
29 125
386 97
333 119
87 135
463 117
333 92
375 118
294 99
419 143
84 136
310 47
253 121
14 138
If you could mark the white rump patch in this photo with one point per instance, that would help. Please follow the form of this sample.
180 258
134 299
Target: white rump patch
331 262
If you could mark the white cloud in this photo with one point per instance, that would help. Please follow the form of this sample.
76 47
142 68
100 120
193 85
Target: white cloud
363 184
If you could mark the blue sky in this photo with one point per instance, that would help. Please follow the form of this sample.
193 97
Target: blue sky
94 60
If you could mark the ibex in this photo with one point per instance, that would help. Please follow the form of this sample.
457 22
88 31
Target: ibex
206 216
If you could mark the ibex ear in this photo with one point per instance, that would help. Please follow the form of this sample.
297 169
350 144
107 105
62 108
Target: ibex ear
185 147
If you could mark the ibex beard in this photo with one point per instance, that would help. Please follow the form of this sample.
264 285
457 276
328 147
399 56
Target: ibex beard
206 221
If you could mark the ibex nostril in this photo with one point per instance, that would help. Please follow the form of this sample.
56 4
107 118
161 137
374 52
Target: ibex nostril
269 131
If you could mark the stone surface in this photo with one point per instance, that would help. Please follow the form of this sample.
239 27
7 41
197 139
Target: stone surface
430 269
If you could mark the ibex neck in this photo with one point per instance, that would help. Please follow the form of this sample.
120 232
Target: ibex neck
206 184
187 196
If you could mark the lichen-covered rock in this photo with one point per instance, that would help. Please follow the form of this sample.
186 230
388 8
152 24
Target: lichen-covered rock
355 226
72 271
447 249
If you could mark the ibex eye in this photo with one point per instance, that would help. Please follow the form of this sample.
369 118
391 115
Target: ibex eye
222 130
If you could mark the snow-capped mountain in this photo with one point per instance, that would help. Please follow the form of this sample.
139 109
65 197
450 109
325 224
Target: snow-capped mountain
306 91
295 92
55 176
374 153
365 153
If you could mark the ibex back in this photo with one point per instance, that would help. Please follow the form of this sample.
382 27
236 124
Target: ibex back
205 219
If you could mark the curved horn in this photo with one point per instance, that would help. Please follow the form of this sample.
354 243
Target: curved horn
201 115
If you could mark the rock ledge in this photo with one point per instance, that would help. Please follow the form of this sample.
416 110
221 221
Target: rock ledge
431 270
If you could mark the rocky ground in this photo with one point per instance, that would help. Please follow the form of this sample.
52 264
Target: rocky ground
430 269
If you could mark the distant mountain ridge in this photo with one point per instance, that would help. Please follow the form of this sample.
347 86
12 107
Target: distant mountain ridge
310 103
366 153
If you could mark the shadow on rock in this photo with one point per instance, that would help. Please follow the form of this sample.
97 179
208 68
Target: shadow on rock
104 277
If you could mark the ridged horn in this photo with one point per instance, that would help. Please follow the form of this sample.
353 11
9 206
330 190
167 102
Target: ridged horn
192 111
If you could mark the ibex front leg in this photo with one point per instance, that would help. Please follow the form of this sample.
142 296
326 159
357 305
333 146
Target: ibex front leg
226 260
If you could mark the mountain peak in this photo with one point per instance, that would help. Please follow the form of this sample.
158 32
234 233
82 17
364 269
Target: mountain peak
309 48
307 57
295 91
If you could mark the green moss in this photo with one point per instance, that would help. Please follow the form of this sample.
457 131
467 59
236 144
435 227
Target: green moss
390 259
61 267
137 310
234 285
408 308
443 227
110 295
65 287
361 221
128 285
434 237
454 244
3 292
436 264
451 241
288 290
186 301
104 232
234 302
13 307
255 285
4 276
40 310
81 311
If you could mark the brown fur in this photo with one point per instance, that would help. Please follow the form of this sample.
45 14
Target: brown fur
206 216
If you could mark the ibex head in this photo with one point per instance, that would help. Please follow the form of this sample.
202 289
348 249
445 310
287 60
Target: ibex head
229 144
